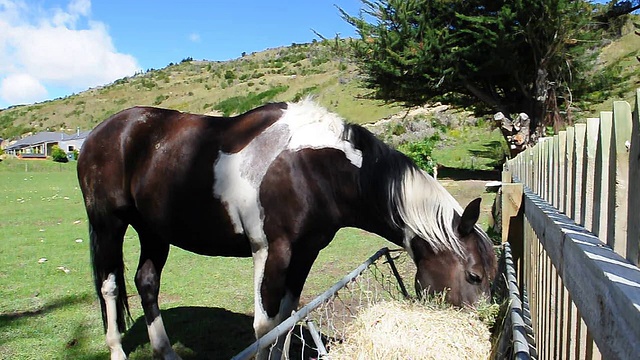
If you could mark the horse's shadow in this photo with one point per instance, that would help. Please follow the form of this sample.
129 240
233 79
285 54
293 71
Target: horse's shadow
209 333
195 333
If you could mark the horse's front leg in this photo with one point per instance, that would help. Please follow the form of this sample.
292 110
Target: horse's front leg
280 274
273 301
148 284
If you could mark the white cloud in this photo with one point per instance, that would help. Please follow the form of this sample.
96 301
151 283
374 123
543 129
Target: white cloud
194 37
52 48
22 88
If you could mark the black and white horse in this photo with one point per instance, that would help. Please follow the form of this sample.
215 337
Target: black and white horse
275 183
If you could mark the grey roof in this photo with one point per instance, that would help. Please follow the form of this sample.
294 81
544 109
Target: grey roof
76 136
46 137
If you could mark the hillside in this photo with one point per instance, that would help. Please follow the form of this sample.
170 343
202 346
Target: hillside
281 74
619 56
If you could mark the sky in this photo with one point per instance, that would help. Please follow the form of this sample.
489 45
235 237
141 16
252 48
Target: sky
54 48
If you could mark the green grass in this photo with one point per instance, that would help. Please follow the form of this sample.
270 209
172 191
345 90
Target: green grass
47 313
207 303
622 52
471 147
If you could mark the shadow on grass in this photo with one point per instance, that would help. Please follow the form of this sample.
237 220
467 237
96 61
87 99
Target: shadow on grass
195 333
445 172
53 305
494 151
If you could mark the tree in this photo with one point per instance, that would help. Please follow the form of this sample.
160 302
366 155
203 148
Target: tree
513 56
58 155
616 8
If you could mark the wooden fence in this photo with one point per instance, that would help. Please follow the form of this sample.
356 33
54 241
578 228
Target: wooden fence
571 212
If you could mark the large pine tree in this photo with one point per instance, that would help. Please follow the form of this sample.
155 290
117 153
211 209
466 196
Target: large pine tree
513 55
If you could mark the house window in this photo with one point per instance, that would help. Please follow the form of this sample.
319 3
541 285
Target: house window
71 148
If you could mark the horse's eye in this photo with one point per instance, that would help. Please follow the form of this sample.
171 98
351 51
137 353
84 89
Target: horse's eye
473 278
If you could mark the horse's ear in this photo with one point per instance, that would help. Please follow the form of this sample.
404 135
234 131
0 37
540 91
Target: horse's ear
469 217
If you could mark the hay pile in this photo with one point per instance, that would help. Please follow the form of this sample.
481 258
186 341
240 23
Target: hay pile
404 330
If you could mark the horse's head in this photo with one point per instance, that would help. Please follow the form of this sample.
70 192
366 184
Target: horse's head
464 277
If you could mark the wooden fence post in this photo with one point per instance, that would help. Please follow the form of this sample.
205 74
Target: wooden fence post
569 172
589 156
513 219
633 216
548 179
601 186
542 168
621 138
578 171
555 183
562 169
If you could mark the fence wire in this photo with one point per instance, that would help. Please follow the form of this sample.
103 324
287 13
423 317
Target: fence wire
329 318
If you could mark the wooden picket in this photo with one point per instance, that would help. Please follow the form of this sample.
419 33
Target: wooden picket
580 246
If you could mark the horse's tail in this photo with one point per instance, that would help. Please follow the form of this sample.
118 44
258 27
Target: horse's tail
108 265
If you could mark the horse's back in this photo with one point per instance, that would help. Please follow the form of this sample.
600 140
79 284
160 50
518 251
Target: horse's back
139 140
154 168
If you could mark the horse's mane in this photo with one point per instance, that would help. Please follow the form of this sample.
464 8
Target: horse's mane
408 197
413 199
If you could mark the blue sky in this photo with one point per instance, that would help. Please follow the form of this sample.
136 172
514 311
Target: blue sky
53 48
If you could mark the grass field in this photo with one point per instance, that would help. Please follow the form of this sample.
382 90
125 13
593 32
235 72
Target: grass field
47 312
48 309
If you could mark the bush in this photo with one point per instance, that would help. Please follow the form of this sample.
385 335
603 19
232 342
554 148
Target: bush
240 104
58 155
420 152
159 99
229 75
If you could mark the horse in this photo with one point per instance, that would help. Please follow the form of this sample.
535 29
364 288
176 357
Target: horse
275 183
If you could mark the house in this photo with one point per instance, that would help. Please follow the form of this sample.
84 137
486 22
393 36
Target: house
73 142
40 145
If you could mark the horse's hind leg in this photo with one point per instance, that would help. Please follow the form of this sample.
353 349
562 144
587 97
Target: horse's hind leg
106 237
113 337
153 256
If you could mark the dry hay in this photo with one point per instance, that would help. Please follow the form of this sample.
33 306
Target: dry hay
405 330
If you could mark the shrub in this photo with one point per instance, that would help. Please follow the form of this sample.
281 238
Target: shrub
304 92
420 152
229 75
58 155
240 104
159 99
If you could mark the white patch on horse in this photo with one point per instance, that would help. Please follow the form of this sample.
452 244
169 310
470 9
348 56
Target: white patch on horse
109 292
160 341
314 127
261 322
238 177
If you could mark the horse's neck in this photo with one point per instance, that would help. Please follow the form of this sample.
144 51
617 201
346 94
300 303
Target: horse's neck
374 217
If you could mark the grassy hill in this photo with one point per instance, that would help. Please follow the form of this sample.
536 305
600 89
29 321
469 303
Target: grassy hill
281 74
619 56
322 69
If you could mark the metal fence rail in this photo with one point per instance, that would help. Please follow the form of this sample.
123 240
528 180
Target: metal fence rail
516 339
301 315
